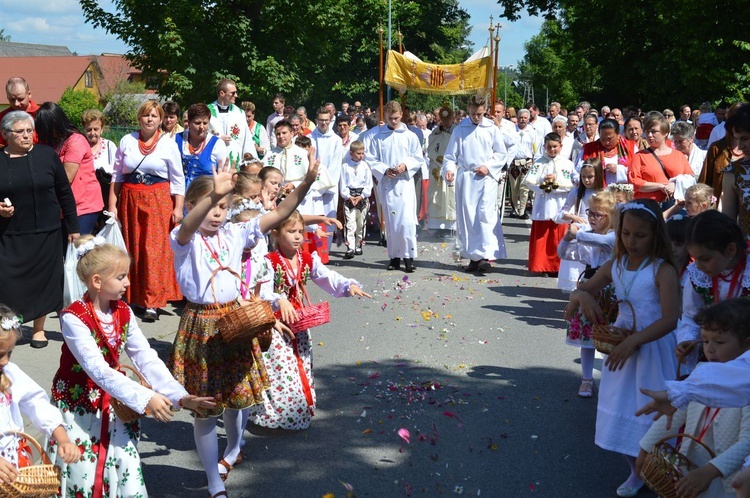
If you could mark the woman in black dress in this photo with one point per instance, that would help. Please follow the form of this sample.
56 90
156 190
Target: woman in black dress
34 190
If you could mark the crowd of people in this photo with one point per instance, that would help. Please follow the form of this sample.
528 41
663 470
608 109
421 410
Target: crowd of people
642 217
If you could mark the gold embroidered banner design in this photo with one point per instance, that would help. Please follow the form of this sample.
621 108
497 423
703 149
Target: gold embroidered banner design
405 72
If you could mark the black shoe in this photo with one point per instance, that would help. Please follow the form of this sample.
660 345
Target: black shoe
39 344
383 242
513 215
524 216
473 266
552 274
358 251
150 315
409 265
484 266
395 264
349 255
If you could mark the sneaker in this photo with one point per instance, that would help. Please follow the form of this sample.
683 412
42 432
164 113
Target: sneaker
349 254
587 388
150 315
358 251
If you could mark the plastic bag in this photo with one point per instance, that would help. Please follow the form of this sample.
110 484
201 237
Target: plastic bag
73 288
111 232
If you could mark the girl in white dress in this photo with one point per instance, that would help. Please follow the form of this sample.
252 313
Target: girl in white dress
21 397
290 403
97 330
644 275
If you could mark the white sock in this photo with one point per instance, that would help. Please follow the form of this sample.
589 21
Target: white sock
634 480
245 417
587 363
234 428
207 444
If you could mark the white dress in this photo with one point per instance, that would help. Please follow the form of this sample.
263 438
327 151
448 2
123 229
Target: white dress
25 399
617 427
571 268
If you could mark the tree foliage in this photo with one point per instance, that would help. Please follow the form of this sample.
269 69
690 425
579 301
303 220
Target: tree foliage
123 101
312 51
3 36
654 53
74 102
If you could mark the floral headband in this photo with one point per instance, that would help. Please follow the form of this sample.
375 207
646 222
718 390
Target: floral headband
10 322
636 205
84 249
243 205
620 187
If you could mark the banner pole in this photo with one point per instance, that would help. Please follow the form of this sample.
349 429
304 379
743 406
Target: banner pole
380 96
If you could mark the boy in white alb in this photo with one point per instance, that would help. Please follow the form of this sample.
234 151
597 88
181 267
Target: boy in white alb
355 187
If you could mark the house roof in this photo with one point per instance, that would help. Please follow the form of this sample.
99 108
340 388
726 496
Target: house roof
15 49
47 76
113 68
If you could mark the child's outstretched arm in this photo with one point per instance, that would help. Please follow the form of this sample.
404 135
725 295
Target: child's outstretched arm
223 185
67 450
271 220
583 297
316 219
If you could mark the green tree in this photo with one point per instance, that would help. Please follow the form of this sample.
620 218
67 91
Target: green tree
123 101
312 51
3 36
651 54
74 102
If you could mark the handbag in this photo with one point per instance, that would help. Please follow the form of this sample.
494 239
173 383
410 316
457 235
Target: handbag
124 412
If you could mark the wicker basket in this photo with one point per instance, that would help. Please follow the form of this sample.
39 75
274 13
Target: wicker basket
607 336
311 315
123 412
247 321
35 481
665 465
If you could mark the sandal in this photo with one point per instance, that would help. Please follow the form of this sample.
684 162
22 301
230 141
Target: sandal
220 493
587 388
224 475
240 457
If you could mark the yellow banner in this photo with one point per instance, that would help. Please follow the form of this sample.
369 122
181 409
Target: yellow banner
406 73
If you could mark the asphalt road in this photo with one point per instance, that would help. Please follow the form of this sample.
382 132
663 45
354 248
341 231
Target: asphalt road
474 368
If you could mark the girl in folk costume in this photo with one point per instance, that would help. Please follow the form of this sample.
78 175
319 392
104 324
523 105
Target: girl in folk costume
97 329
613 151
550 179
290 402
574 211
644 275
719 271
725 336
21 397
232 373
594 248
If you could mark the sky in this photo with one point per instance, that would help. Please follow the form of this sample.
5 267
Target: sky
60 22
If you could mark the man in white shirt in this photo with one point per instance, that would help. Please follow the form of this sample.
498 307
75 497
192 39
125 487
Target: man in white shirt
278 115
530 147
540 124
228 122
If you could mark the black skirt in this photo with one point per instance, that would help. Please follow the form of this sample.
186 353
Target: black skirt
31 273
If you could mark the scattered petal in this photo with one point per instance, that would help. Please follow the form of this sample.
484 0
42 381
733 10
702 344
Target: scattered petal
405 435
367 431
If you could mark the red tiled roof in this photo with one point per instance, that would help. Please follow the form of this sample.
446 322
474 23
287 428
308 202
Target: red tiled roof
47 76
114 68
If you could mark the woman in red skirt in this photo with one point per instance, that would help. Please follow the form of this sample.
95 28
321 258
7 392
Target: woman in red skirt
147 195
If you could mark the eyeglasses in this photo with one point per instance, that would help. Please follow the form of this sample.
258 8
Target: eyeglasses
27 131
232 94
594 215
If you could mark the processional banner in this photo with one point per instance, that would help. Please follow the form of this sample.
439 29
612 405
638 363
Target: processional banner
406 72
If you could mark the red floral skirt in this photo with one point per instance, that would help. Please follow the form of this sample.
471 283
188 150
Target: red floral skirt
146 215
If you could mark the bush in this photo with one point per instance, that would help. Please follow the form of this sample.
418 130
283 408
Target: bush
123 102
74 102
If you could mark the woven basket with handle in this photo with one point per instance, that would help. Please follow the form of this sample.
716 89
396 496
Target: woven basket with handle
311 315
607 336
123 412
665 465
34 481
247 321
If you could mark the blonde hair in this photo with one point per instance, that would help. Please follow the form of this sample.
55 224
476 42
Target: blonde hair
91 115
356 146
392 107
243 182
101 260
700 193
12 333
198 189
246 215
148 106
606 202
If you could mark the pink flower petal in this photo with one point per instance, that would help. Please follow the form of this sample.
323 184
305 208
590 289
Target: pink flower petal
405 435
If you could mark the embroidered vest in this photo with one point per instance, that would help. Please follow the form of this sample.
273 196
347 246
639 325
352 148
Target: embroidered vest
71 384
196 165
704 285
284 282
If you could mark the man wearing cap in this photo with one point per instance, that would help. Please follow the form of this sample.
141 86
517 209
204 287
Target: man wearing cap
441 195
